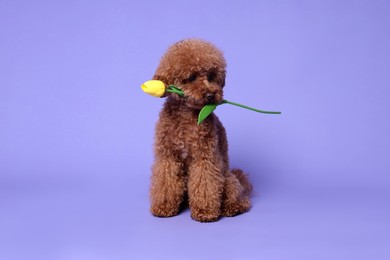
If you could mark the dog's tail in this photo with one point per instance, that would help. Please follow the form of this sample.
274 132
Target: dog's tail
243 179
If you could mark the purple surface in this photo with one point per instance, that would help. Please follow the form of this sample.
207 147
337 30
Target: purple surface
76 132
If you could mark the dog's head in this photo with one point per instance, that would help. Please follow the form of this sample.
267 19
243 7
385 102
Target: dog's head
198 68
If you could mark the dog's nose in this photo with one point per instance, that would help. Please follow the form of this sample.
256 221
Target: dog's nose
210 96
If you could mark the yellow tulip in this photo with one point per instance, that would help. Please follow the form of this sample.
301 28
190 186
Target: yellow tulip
155 88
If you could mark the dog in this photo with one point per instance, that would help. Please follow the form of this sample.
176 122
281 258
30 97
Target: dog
191 163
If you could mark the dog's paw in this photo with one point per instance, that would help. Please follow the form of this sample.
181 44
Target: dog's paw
164 211
203 215
233 209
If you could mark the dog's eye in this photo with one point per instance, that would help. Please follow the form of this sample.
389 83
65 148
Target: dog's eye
192 78
211 76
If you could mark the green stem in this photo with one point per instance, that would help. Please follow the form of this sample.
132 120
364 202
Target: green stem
250 108
173 89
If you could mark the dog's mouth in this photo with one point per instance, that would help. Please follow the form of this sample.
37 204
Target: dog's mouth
196 106
196 96
196 103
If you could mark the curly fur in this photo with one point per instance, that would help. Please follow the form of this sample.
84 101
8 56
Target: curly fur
191 160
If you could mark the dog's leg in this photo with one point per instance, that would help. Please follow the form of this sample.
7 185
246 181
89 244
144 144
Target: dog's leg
167 188
205 188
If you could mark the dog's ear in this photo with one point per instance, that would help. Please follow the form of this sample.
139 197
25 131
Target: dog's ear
221 77
163 78
158 77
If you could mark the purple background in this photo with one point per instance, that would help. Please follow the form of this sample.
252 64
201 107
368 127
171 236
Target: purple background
76 131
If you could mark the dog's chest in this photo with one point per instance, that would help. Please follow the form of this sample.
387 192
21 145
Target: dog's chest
184 142
189 137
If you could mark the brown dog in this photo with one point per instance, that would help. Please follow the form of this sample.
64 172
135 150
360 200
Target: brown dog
191 160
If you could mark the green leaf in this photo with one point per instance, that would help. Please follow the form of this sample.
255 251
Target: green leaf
205 112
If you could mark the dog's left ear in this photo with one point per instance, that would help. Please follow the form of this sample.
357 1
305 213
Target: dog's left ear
221 77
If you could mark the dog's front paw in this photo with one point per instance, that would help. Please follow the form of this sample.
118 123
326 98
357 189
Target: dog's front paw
164 210
204 215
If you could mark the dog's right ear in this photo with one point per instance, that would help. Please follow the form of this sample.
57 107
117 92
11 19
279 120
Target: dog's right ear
162 78
158 77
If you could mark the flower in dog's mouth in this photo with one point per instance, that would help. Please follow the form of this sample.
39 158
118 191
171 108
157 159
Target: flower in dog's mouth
157 88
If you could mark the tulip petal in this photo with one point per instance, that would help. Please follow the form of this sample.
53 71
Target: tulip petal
155 88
